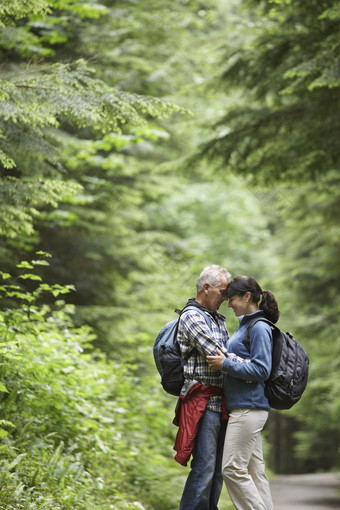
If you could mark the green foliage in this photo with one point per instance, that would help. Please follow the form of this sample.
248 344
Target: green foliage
17 9
92 144
103 145
64 158
76 430
84 174
65 93
288 129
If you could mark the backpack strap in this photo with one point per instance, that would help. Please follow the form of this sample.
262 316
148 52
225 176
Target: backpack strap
208 321
246 340
192 307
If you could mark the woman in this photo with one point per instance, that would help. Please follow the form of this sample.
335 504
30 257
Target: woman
242 465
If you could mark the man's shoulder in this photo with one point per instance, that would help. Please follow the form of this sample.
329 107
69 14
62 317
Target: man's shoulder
193 313
195 316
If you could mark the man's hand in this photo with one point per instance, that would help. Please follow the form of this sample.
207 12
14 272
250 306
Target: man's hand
216 362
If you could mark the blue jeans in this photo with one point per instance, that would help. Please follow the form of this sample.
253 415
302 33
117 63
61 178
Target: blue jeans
204 483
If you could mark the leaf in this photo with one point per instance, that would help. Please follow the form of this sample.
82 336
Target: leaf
25 264
7 423
43 254
30 276
40 263
16 461
3 388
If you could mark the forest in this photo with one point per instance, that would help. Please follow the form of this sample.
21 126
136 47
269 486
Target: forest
140 142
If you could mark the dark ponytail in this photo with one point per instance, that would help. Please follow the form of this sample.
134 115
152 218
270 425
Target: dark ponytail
269 306
242 284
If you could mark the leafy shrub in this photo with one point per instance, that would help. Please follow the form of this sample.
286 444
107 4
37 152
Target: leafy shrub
78 431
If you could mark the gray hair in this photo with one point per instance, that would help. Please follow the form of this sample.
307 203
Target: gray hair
212 275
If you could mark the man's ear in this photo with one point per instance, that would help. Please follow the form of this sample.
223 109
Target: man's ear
206 288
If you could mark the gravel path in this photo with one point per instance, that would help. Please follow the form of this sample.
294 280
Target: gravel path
306 492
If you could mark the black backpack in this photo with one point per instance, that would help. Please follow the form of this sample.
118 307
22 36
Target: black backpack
167 355
290 364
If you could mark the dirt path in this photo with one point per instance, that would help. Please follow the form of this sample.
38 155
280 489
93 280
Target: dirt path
306 492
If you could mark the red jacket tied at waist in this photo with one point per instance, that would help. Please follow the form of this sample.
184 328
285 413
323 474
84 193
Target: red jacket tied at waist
190 408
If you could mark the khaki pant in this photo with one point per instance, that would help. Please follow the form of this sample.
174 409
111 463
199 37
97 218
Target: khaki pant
242 464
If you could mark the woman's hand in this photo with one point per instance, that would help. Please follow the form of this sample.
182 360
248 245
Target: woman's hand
216 362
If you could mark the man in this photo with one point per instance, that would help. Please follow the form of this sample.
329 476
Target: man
201 411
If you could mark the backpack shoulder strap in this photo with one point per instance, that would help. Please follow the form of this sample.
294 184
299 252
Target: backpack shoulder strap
208 320
191 307
246 340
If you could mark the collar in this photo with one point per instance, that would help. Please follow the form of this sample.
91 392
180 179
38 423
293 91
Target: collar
249 317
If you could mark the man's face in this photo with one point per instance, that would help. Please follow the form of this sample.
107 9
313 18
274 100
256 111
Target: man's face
216 295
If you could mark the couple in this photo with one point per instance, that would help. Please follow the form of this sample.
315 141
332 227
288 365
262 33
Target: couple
233 454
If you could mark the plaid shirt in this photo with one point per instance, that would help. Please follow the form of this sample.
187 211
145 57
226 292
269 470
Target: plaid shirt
193 331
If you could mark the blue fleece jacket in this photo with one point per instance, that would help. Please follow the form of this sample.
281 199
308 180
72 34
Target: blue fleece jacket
244 382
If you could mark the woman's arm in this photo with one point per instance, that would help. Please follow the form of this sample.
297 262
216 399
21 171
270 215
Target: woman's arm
216 362
257 367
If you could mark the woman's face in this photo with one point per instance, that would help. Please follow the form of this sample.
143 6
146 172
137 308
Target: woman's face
238 304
